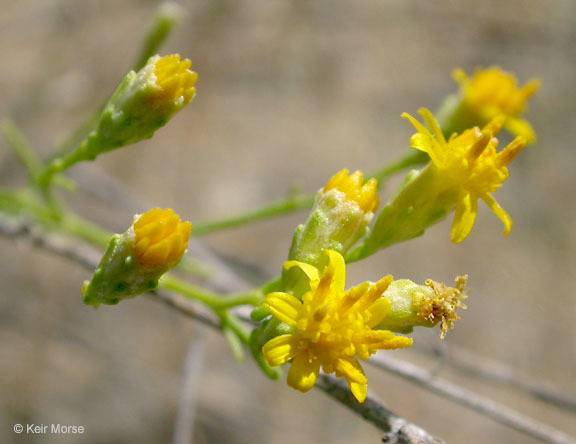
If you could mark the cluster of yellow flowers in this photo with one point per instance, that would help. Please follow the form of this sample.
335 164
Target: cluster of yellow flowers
331 329
316 324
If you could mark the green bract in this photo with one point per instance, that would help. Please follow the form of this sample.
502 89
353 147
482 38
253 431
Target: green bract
119 275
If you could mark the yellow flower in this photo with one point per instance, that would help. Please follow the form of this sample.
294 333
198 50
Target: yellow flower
331 327
353 186
174 79
491 92
160 238
470 164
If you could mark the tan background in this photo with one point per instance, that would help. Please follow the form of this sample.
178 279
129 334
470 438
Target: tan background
289 92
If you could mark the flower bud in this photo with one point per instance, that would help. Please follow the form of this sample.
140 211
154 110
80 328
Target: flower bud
340 217
486 94
136 259
142 104
413 305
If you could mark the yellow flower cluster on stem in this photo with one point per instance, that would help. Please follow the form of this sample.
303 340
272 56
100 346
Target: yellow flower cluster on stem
330 328
492 92
469 163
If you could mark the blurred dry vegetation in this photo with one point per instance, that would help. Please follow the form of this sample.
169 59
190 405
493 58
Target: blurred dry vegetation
289 93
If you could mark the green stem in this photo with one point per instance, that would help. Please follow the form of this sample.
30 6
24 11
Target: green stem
22 148
290 204
411 159
58 165
160 29
214 301
295 203
85 230
238 326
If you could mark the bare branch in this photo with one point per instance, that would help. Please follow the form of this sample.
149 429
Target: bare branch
194 366
500 413
398 430
488 369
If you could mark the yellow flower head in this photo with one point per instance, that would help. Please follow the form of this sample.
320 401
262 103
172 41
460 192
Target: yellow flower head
174 78
160 238
353 186
491 92
470 164
331 327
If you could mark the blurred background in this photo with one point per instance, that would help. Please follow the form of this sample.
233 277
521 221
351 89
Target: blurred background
289 92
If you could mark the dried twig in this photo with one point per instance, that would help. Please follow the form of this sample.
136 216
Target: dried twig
481 404
184 428
398 430
488 369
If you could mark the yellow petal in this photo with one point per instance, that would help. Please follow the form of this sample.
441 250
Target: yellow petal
466 210
284 307
508 154
156 255
359 390
303 372
420 142
498 211
530 88
280 350
378 311
309 270
373 293
185 230
154 230
354 374
386 340
353 295
419 127
425 141
459 76
521 127
495 125
338 268
432 123
148 216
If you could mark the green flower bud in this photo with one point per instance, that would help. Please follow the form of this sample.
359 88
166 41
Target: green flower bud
142 104
340 217
136 259
413 305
